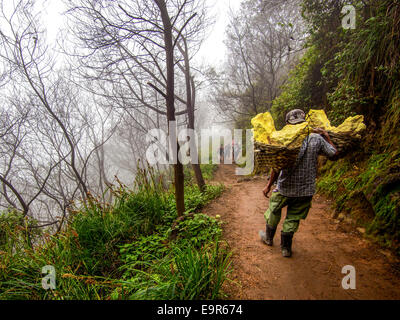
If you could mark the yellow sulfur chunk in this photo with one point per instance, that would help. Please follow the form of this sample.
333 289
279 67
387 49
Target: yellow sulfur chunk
290 136
355 125
318 119
263 125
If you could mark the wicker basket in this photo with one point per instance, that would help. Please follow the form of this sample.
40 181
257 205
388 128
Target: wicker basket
277 157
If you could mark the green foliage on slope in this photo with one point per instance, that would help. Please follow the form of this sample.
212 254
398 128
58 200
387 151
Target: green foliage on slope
349 72
298 91
122 250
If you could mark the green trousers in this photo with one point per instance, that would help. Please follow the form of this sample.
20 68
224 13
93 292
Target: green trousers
297 209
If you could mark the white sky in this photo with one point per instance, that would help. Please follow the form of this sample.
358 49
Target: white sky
212 51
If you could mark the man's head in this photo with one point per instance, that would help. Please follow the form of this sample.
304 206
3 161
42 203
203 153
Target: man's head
295 117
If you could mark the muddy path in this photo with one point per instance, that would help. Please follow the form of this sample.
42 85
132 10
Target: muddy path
321 248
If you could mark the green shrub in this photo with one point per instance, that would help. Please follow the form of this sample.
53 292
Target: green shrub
208 171
296 93
115 251
185 274
195 199
199 230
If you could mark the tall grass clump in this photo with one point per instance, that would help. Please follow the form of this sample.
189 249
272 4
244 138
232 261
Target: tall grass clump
194 266
208 171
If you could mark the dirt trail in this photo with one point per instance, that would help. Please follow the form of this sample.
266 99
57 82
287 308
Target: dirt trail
321 248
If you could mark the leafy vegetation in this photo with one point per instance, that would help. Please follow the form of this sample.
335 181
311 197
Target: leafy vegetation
262 40
297 93
371 184
349 72
207 170
122 250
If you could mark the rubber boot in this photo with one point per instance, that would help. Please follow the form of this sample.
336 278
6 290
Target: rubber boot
286 244
268 236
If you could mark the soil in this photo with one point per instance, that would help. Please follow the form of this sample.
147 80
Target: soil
321 248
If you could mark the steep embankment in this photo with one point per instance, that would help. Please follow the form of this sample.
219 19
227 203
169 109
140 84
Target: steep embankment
321 248
348 72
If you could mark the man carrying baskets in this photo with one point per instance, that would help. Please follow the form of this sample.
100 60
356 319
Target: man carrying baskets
295 186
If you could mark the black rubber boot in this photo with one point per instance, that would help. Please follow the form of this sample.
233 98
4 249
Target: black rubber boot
268 236
286 244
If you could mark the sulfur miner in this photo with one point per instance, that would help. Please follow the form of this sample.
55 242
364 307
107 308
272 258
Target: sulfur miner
295 186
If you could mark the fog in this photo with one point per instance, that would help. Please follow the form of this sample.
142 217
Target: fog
82 82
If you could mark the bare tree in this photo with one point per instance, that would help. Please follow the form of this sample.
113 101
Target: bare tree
46 146
191 102
262 40
128 51
26 53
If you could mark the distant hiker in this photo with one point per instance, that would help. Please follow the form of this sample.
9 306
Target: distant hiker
236 151
228 152
221 153
295 186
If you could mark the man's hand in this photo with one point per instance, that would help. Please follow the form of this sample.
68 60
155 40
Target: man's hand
266 190
322 132
272 179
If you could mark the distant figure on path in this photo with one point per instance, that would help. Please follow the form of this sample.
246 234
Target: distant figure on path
228 152
221 153
236 150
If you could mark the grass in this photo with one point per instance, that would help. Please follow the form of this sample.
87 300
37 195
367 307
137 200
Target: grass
122 250
182 272
208 171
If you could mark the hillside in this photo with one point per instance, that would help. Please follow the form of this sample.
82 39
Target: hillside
134 248
348 72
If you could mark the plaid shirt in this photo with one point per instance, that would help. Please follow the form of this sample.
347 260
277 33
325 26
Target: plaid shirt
299 181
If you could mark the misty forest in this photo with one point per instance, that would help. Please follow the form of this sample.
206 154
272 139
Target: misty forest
78 195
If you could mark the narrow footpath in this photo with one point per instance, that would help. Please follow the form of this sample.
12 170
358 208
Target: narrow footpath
321 248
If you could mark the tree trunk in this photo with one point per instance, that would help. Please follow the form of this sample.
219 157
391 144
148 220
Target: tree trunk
169 50
190 101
